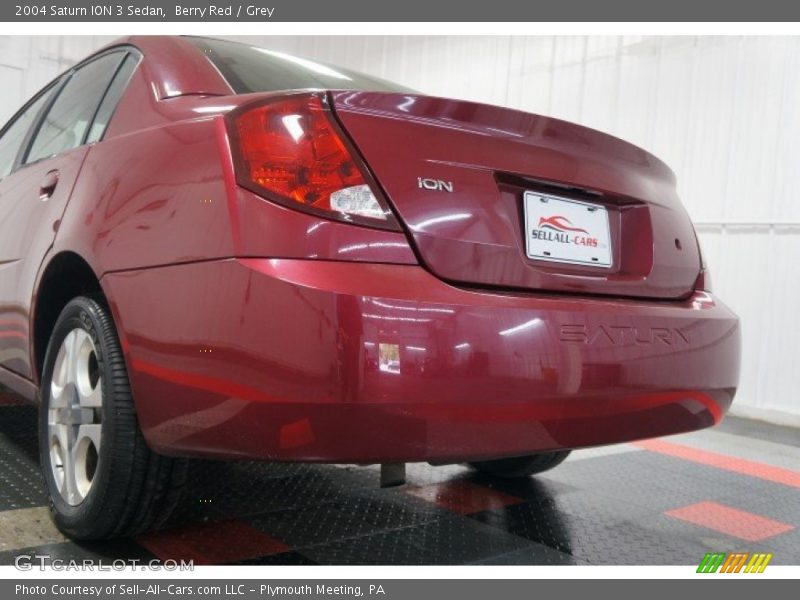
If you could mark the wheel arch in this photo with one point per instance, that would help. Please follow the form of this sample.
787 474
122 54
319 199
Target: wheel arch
67 275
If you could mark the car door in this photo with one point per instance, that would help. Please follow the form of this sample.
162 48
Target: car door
35 191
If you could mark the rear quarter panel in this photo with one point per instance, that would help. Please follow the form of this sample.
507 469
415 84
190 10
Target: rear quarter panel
150 198
164 193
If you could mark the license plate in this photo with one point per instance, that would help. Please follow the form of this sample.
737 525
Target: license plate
566 231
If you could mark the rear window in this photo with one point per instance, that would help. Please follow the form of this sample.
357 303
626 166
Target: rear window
68 119
249 69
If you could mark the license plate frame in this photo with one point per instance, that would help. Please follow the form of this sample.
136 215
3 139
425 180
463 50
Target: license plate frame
567 231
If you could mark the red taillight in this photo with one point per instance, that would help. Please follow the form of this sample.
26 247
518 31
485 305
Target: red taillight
291 151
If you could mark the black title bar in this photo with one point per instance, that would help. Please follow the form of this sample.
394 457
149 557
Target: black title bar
395 10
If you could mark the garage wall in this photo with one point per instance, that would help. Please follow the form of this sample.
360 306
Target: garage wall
724 112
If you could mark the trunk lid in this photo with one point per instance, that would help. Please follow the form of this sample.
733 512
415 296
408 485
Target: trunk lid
457 172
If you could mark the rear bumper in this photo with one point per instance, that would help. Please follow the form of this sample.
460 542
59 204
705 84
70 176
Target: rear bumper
351 362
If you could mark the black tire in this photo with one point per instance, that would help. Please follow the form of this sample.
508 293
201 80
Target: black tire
521 466
131 489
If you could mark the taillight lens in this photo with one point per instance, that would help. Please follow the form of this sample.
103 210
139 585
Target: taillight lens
291 151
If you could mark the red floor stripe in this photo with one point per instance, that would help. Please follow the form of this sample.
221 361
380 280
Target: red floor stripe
731 521
14 334
463 497
212 543
721 461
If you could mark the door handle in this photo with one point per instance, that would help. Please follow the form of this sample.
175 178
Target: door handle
48 185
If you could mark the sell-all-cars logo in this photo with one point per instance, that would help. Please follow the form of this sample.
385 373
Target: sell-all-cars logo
560 229
737 562
558 223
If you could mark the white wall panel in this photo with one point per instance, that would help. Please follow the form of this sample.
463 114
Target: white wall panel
785 203
529 83
673 104
757 108
599 96
723 112
13 95
711 90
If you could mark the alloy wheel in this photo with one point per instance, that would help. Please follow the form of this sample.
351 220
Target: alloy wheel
75 415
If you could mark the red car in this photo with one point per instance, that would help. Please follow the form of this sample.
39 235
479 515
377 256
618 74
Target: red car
209 249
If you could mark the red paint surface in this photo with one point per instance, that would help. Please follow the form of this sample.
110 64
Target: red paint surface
27 229
295 307
463 497
492 155
462 389
730 521
721 461
229 178
211 543
10 399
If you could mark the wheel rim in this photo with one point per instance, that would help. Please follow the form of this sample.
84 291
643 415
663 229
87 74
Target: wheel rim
75 413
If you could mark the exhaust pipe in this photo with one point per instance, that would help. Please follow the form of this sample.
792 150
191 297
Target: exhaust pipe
393 474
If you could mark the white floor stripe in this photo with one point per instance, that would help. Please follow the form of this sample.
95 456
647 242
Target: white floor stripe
26 527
